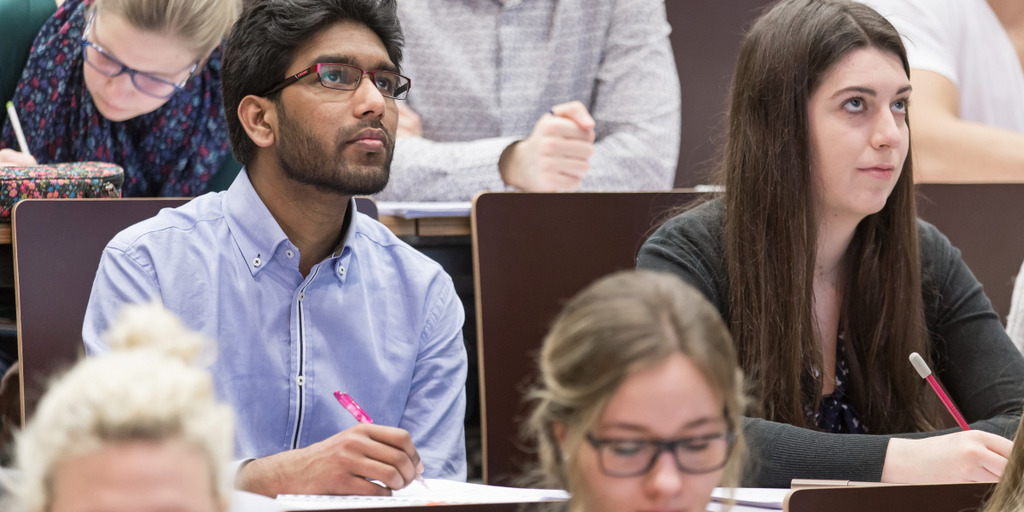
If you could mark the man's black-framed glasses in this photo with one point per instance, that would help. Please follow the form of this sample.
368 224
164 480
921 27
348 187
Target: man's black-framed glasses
344 77
107 65
634 457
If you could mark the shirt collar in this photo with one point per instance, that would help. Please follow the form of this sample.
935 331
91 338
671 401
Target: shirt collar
253 227
257 233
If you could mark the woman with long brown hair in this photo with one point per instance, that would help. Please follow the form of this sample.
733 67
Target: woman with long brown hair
827 280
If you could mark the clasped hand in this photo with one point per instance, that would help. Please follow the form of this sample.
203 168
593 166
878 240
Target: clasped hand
556 155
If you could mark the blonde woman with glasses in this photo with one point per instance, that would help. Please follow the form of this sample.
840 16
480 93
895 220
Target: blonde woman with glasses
131 82
639 400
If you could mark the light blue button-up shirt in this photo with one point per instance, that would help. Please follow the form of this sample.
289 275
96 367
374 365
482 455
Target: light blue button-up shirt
377 319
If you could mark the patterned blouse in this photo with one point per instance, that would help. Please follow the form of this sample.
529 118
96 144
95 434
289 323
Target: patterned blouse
835 414
172 151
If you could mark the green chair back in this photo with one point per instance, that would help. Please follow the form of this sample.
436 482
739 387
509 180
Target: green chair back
20 21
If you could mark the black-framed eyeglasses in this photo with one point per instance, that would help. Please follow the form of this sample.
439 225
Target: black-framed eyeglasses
107 65
620 457
347 78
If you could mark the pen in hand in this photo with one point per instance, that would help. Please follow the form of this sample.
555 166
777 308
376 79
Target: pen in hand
16 125
360 415
926 374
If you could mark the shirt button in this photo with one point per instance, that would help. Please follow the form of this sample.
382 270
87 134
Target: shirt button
341 270
290 253
256 261
300 380
302 296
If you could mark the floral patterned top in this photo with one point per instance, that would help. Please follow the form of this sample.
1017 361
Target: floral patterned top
172 151
835 414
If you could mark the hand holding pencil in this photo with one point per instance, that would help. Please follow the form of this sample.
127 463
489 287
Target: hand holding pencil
965 456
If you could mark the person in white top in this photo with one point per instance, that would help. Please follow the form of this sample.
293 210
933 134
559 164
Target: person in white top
1015 321
965 58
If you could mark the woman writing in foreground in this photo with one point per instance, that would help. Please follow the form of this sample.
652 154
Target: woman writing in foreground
817 262
618 354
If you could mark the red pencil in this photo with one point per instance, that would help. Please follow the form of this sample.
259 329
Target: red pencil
926 374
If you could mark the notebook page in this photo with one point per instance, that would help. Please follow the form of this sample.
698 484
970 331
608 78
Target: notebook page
437 491
751 496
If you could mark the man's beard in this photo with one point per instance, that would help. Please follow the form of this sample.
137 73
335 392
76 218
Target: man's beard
302 159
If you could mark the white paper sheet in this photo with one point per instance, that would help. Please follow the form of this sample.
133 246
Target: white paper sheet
437 492
416 210
760 498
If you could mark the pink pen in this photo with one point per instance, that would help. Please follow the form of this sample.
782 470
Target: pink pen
926 374
360 415
352 407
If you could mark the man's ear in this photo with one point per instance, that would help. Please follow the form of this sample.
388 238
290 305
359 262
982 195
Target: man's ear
259 119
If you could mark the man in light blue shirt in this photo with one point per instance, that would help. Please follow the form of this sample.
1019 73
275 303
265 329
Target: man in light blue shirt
305 295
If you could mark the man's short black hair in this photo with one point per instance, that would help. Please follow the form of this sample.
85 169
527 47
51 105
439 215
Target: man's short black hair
264 40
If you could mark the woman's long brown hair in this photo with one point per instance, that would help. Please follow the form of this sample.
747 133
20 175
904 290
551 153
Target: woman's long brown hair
771 231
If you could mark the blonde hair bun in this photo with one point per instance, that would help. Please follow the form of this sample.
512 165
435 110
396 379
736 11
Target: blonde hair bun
151 327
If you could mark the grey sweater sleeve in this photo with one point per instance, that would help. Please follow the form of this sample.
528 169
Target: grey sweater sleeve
692 246
973 356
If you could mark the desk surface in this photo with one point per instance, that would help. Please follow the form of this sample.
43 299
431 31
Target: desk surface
426 226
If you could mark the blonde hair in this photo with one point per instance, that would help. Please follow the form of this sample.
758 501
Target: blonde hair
1008 495
202 24
145 389
620 324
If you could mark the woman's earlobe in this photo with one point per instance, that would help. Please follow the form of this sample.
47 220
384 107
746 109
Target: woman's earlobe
558 430
259 119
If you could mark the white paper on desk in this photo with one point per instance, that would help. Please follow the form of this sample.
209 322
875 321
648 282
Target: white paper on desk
437 491
417 210
760 498
242 501
715 506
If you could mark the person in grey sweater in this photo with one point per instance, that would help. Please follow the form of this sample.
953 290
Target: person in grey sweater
817 262
537 96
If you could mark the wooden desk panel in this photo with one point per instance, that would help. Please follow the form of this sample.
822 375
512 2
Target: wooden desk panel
966 497
58 248
426 226
531 253
986 222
